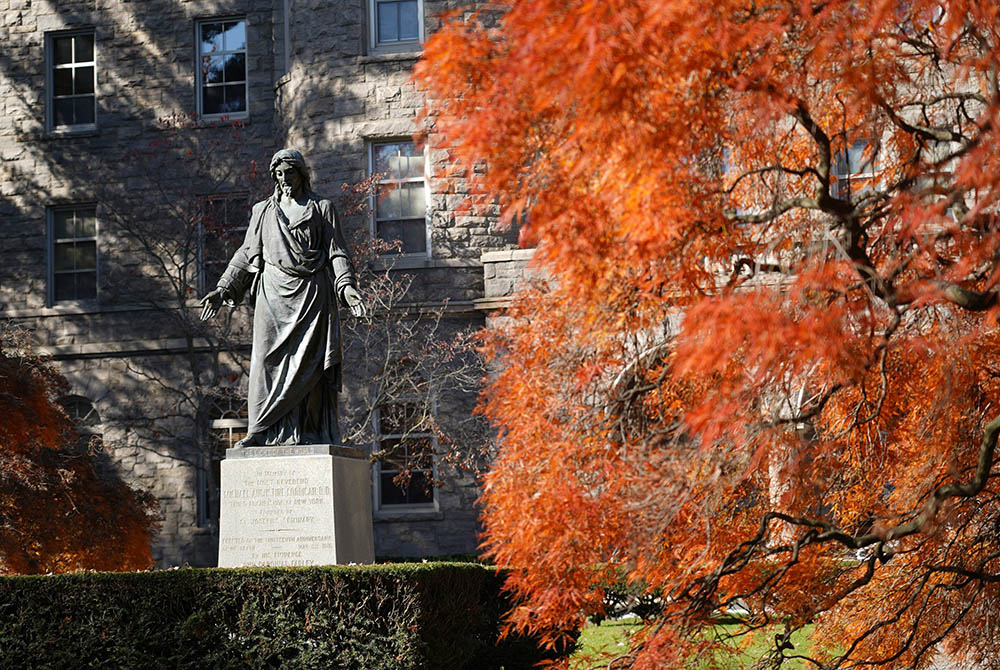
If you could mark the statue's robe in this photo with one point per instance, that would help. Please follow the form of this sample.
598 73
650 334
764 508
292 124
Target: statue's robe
295 273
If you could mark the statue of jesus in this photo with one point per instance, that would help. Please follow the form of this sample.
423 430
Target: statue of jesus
295 267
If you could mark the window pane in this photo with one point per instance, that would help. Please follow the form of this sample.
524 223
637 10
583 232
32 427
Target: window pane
414 166
212 100
212 68
86 255
86 285
62 81
410 234
235 98
416 491
63 112
236 36
86 223
382 153
388 22
421 453
412 200
211 37
391 231
389 204
62 50
414 237
420 489
409 27
83 80
84 48
65 256
857 161
390 493
235 66
65 287
62 224
83 109
398 161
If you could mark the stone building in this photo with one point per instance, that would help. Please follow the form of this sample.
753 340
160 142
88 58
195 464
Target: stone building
131 140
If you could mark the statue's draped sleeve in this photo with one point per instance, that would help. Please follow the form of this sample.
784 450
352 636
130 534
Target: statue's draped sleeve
340 260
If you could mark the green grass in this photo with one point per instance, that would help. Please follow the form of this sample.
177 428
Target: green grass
610 638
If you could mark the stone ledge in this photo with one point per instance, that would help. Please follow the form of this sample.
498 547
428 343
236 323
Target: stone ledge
390 57
494 303
83 307
507 255
71 134
130 348
382 516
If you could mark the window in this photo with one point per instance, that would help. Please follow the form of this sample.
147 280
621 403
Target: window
221 229
399 210
854 169
227 427
72 81
222 55
84 416
396 24
405 467
81 412
73 254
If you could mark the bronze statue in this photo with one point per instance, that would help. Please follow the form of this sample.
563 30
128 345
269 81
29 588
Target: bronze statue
295 266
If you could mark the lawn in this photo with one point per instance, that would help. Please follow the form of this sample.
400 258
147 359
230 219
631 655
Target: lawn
610 638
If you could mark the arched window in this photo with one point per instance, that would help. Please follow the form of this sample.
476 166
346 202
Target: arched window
82 412
405 467
86 419
229 419
227 414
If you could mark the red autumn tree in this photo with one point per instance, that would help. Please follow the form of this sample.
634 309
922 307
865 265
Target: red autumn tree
766 370
57 513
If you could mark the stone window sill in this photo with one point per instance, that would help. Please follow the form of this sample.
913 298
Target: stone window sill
58 134
395 516
390 57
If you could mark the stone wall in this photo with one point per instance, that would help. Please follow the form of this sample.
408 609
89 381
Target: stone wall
135 350
115 351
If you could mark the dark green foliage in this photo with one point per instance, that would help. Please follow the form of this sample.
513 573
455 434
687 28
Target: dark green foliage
391 617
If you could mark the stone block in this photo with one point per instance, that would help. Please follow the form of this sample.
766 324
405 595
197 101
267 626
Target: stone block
295 506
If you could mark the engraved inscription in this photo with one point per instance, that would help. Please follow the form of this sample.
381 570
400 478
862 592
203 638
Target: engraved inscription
278 516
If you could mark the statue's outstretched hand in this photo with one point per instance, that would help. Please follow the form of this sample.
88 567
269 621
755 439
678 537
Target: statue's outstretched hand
211 303
353 300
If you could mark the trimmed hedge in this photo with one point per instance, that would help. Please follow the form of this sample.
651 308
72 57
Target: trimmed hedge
391 617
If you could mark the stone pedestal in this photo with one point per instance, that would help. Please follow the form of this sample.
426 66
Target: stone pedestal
295 505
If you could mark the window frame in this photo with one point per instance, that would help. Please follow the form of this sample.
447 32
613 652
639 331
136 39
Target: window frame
390 509
50 67
199 85
397 46
373 200
50 251
239 233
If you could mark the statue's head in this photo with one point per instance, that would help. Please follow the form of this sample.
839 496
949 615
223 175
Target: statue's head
289 172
